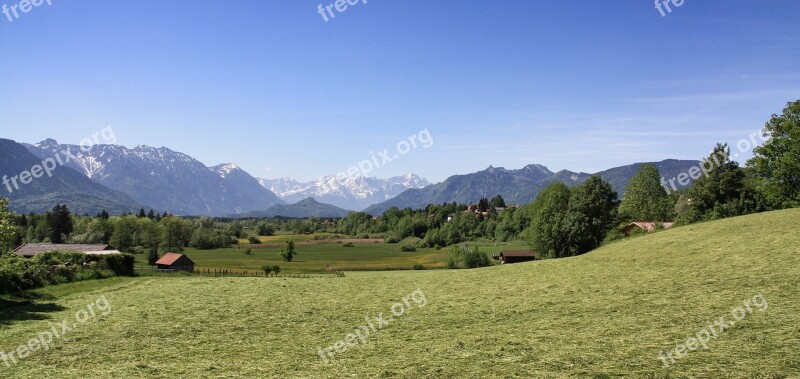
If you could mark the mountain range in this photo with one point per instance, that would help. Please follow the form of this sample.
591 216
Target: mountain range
353 193
166 180
120 179
516 186
61 185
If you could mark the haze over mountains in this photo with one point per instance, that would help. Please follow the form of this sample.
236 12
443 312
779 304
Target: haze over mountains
354 193
121 179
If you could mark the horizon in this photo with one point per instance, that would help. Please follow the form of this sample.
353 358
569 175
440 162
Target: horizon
494 85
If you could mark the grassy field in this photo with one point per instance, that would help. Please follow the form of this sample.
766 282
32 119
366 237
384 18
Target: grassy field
312 259
604 314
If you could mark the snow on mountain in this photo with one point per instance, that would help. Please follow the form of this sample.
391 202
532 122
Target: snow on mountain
165 179
354 193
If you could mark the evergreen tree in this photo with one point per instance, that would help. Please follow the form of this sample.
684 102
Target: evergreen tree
722 192
59 223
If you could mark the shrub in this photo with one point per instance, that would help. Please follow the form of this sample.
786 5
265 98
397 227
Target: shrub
348 244
248 251
254 240
407 248
418 266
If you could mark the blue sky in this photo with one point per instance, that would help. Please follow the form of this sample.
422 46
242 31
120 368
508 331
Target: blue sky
271 86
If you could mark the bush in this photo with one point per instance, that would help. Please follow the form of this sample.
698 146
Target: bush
254 240
248 251
467 258
407 248
19 274
418 266
348 244
410 244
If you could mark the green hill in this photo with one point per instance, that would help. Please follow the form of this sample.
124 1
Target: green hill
608 313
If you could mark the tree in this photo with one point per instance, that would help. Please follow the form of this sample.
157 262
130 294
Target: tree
722 192
645 199
288 252
267 269
7 229
547 233
498 202
594 203
776 164
175 234
59 224
276 269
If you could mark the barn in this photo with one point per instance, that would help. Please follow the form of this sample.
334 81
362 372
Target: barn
175 261
516 256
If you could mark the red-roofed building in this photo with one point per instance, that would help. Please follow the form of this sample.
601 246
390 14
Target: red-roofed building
175 261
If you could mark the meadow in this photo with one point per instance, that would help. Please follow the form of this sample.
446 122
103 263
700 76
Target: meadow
323 256
608 313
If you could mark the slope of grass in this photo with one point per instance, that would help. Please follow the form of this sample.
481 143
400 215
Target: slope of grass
605 314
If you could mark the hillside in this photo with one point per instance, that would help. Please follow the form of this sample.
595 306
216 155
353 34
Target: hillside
604 314
516 186
165 179
302 209
65 186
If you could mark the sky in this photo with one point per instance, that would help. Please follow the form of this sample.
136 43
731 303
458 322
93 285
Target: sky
275 88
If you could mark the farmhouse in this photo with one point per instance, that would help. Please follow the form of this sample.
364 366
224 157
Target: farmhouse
648 226
30 250
515 256
175 261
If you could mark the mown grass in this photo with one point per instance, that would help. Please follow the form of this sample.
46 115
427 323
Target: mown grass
605 314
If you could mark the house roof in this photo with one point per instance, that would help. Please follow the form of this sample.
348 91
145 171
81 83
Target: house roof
648 225
518 253
31 249
170 258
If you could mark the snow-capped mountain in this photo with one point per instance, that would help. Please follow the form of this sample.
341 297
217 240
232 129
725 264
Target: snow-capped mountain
164 179
354 193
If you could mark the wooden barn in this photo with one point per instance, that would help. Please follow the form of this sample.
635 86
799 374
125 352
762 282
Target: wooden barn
175 261
516 256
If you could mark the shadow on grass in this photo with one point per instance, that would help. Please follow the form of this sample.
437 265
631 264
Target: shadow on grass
27 306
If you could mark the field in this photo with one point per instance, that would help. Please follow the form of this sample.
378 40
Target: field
314 258
608 313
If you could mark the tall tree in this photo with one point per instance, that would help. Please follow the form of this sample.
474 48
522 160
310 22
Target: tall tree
7 228
59 224
776 164
547 232
645 199
721 192
595 203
